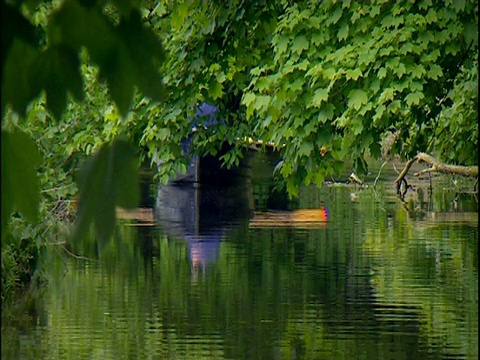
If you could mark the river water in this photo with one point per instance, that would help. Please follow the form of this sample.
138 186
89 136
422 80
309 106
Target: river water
245 273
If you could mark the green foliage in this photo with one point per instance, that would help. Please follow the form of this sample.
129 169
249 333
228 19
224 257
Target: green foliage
20 190
107 180
311 76
459 119
44 64
24 243
30 68
209 54
53 52
366 61
18 266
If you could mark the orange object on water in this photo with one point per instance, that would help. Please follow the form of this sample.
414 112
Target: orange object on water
296 218
309 215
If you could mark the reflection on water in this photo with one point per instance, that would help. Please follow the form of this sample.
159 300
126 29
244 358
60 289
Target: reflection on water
201 214
375 279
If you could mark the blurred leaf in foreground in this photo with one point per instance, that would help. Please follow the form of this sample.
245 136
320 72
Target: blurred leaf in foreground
106 180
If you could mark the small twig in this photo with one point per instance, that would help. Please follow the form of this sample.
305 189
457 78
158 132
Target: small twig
378 176
77 256
430 181
54 189
395 168
48 228
455 183
63 262
55 243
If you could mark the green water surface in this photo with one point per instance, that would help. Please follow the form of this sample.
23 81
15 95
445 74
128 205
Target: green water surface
381 279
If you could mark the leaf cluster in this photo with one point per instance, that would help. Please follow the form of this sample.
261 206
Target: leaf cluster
347 72
30 67
210 49
324 81
44 64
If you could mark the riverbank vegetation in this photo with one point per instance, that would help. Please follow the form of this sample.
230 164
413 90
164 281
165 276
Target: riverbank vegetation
108 85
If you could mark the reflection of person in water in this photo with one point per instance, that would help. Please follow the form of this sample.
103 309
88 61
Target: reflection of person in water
203 250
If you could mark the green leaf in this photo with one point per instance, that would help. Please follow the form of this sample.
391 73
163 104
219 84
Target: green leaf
459 5
326 113
299 44
435 72
416 86
319 178
282 44
343 32
261 102
320 95
375 149
292 187
119 51
406 48
357 98
328 73
335 16
305 148
353 74
57 70
20 187
357 126
163 133
394 106
137 38
379 113
297 84
388 21
317 38
17 88
366 108
215 89
392 63
431 16
248 98
471 33
417 71
120 80
386 95
375 10
382 73
400 70
414 98
179 16
107 179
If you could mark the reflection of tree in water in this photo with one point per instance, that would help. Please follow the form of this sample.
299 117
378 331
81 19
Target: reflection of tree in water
147 240
301 289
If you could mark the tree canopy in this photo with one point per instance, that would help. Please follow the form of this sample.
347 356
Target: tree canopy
324 81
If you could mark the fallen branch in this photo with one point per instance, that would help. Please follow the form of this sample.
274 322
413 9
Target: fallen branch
435 166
